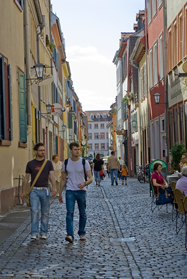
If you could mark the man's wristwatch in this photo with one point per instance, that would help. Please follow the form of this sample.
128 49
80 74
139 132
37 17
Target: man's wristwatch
85 183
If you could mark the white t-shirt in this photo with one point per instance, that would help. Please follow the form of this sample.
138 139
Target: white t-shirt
75 172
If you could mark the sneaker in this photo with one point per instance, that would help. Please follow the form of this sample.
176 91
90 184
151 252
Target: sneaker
112 184
43 236
116 183
82 237
34 237
69 238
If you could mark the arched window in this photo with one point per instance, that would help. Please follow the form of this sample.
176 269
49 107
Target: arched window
104 115
98 115
91 116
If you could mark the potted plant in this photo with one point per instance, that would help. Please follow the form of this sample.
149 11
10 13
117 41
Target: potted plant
176 153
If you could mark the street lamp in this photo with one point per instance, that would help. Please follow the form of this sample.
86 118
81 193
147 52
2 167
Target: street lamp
63 128
49 108
134 122
39 69
157 98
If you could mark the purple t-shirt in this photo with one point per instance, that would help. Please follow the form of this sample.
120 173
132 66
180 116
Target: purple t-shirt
34 166
182 185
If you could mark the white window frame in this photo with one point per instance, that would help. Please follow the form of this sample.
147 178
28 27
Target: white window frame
151 67
154 7
91 116
155 62
149 11
98 115
161 58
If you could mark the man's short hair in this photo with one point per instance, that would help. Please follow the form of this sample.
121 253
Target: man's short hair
37 145
119 158
112 152
184 171
73 144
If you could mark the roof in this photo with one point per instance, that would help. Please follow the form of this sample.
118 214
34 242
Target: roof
95 112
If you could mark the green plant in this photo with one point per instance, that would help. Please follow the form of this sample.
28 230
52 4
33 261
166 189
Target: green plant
176 153
52 46
126 99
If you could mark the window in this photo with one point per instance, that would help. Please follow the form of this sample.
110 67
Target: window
180 36
107 135
149 11
170 130
89 136
102 146
95 126
90 146
19 3
175 125
104 115
6 102
102 135
159 3
98 115
92 116
155 63
151 68
175 42
96 146
161 62
102 126
96 136
170 50
89 126
154 7
181 124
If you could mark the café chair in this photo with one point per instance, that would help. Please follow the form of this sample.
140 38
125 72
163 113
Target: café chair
173 185
181 212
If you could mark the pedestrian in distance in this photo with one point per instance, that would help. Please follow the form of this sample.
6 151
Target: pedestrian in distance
76 168
113 167
121 163
91 165
40 193
57 165
124 174
98 165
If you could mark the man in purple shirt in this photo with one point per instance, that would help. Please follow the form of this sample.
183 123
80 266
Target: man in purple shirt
182 182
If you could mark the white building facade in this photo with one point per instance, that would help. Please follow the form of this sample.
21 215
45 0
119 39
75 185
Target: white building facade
98 137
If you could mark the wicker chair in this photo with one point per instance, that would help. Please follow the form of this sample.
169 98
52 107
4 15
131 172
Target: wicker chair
173 185
180 209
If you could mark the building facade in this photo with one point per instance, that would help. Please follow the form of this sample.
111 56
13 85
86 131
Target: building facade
98 138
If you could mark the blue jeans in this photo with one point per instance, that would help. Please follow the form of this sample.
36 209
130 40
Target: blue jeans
43 197
112 173
80 197
97 176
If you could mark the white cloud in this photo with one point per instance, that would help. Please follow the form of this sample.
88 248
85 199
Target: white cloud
89 53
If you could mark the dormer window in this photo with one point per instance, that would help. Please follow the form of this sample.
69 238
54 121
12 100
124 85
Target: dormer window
92 116
98 115
104 115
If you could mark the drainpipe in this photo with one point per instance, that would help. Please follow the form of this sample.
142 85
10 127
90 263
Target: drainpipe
165 81
28 88
148 96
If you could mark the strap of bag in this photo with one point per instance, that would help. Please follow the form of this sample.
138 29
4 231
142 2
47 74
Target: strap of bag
37 176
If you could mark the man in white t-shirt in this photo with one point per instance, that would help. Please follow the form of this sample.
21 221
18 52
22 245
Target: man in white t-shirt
75 190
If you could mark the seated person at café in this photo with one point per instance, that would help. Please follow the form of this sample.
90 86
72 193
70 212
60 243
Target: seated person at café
182 182
158 180
183 162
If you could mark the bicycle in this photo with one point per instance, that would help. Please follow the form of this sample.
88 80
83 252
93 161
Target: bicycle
141 177
146 172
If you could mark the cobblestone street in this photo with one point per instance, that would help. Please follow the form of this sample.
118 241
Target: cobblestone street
124 240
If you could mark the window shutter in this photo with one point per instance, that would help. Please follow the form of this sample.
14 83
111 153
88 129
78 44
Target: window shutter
2 100
70 120
22 108
10 102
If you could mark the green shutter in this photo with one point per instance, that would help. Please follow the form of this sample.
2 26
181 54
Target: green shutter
70 121
22 108
2 100
10 101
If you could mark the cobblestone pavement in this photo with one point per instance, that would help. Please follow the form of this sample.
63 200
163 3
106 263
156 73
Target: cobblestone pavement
124 240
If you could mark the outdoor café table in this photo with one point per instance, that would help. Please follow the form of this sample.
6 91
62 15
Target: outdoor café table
172 177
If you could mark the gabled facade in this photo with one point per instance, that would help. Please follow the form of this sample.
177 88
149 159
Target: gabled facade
155 51
98 138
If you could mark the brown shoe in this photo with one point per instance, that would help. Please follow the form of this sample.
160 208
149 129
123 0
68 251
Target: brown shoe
69 238
82 237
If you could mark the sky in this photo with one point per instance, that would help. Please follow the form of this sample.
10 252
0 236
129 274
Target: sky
92 30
